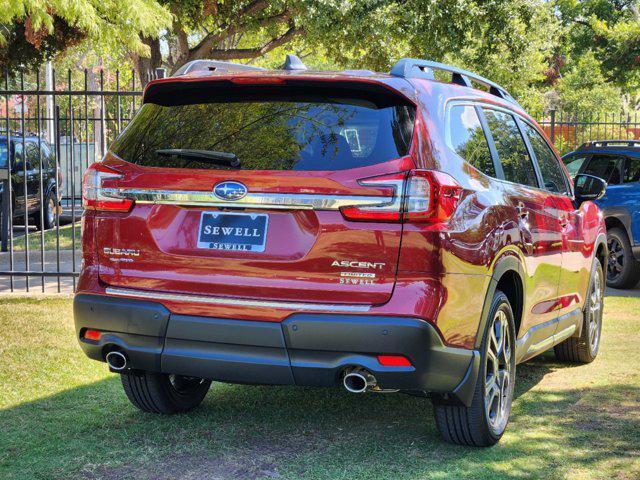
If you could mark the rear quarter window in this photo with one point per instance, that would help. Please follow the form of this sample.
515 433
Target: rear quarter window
466 137
270 132
632 170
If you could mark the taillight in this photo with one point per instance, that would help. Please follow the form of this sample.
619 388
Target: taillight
430 196
387 209
96 197
420 196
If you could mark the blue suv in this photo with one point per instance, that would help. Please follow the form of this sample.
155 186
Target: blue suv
618 163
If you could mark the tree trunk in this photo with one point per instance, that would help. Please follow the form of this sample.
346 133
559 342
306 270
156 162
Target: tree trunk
146 66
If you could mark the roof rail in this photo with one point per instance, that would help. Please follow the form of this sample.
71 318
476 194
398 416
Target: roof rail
211 65
416 68
610 143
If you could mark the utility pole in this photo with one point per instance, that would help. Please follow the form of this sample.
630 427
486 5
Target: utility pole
48 79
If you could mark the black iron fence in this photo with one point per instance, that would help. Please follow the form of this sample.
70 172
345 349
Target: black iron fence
568 131
52 127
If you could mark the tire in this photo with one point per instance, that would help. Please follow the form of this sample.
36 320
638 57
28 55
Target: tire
161 393
47 220
584 349
481 425
623 271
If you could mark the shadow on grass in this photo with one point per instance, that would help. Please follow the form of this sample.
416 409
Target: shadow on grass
268 432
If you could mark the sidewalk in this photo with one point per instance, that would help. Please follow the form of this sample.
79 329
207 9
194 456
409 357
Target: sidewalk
35 283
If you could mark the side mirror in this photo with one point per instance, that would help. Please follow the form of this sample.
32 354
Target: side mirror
589 187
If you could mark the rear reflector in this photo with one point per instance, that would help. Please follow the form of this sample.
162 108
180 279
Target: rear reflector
95 197
394 361
93 335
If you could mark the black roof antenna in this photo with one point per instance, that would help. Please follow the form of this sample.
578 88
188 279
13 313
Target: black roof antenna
292 62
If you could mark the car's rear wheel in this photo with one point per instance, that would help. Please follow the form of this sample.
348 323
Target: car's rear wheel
47 219
484 421
623 271
584 349
161 393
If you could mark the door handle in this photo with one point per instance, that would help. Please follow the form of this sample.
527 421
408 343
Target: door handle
564 221
522 211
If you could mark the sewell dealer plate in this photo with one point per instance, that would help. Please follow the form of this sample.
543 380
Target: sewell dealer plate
233 231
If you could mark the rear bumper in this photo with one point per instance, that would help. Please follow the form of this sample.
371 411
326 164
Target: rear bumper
310 349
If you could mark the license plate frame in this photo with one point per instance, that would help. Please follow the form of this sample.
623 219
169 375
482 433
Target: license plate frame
230 240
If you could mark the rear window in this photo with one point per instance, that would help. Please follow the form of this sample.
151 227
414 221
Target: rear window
278 131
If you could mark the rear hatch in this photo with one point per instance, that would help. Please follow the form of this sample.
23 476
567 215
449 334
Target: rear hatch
266 192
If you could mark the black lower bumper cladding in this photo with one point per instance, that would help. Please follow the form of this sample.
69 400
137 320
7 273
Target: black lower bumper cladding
305 349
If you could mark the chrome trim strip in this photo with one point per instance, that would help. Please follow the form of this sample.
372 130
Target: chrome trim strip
554 339
178 297
564 334
254 200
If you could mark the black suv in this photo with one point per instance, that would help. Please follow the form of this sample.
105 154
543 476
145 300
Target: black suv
27 155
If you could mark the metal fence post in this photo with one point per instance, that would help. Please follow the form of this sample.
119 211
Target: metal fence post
6 211
553 125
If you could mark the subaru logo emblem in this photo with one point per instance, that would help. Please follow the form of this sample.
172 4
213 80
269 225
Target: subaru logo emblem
229 190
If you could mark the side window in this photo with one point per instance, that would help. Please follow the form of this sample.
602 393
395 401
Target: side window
47 157
573 163
607 167
552 174
33 157
512 151
17 155
467 138
632 170
4 153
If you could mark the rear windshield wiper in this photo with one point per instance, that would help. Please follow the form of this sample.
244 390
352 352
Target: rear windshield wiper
223 158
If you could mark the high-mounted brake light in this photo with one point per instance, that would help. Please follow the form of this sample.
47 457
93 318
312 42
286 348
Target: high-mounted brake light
96 197
424 196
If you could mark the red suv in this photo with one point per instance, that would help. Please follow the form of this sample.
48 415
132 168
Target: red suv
384 232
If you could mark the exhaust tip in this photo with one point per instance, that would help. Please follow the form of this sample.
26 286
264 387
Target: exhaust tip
116 360
355 383
358 380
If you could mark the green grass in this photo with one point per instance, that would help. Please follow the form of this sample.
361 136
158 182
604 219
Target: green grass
66 237
64 416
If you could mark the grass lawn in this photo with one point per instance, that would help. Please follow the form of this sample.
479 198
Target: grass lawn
66 237
64 416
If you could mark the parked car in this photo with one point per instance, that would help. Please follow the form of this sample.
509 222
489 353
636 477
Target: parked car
384 232
27 157
618 163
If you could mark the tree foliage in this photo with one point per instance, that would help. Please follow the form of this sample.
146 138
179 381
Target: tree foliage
608 28
34 30
543 51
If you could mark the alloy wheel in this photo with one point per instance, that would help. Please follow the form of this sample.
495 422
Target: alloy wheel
51 211
497 382
595 312
615 261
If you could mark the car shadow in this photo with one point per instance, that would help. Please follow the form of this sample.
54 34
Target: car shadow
615 292
241 432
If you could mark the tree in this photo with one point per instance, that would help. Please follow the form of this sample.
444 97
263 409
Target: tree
32 31
608 28
584 90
